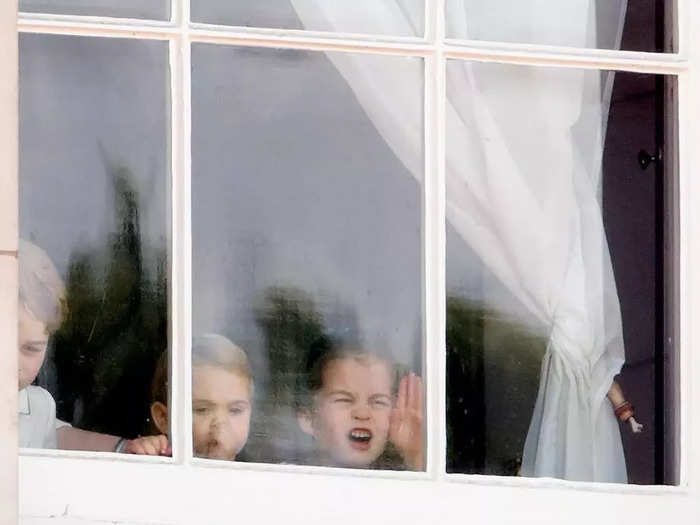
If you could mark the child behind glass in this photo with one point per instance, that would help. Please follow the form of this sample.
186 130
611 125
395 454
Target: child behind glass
222 388
40 311
41 308
347 402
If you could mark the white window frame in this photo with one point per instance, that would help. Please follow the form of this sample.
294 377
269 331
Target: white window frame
88 487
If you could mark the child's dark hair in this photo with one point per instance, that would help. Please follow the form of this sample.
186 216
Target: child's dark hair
159 385
321 352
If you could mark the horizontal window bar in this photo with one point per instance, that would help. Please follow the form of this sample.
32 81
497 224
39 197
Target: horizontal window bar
301 34
81 20
242 36
526 54
96 26
554 483
310 469
142 459
537 55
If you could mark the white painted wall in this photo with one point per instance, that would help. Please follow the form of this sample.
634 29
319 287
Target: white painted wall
8 263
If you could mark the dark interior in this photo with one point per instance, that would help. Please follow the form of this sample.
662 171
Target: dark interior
638 186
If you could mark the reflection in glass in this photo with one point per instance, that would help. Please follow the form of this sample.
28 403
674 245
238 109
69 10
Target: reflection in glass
153 9
602 24
545 198
306 252
377 17
93 198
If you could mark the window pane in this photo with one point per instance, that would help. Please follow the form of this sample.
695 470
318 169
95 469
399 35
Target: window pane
306 256
559 274
93 204
154 9
381 17
642 25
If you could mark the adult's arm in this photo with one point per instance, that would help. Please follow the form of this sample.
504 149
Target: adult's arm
71 438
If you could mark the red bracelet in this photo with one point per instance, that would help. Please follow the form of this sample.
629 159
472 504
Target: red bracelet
624 411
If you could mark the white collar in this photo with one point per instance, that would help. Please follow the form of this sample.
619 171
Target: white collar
23 402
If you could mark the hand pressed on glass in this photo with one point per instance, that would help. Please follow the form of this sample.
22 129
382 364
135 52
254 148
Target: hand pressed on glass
406 428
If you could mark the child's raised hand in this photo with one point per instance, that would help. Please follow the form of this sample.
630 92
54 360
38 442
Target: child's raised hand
149 445
406 427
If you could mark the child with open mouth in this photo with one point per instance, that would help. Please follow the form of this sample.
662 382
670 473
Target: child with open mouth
347 402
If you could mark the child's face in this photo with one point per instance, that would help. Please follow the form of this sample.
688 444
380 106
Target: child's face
32 341
352 412
220 412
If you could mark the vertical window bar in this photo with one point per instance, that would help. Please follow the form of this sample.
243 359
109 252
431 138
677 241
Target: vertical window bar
660 332
434 242
176 298
186 355
672 289
181 297
681 27
430 19
687 130
689 247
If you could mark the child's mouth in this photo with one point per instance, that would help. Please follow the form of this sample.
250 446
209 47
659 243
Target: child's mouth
214 450
360 438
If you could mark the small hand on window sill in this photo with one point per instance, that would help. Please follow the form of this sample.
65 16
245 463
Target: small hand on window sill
146 445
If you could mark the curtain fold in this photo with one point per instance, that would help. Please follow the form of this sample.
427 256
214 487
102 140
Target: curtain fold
522 189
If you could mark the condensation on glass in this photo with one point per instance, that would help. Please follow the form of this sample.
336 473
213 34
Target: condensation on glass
94 249
376 17
306 236
641 25
151 9
560 274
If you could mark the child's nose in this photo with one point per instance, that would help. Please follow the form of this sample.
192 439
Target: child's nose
217 422
360 412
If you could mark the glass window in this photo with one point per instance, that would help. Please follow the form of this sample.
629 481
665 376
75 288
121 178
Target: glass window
154 9
308 270
388 17
560 308
306 237
94 255
642 25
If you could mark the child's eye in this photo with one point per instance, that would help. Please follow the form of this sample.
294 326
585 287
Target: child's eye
32 349
380 403
201 410
236 410
342 400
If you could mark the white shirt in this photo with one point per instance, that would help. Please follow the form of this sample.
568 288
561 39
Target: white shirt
36 413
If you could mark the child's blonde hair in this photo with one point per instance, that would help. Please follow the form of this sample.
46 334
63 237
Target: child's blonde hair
41 289
217 350
208 349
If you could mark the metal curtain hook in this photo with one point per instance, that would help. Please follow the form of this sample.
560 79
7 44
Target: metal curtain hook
645 158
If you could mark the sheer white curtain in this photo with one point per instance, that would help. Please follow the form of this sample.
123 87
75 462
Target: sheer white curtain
523 168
